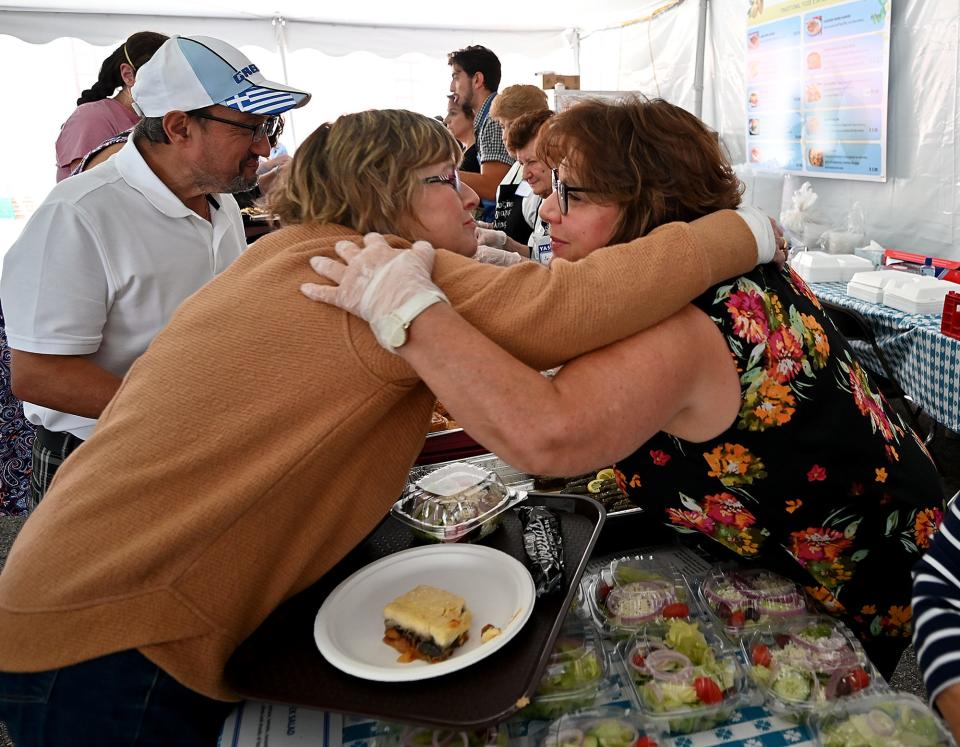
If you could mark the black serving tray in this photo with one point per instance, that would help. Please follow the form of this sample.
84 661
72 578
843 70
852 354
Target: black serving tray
280 662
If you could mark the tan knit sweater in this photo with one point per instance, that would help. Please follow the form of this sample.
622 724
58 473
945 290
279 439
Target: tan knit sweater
262 436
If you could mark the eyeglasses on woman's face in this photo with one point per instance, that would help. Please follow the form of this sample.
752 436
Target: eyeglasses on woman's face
563 190
453 179
268 128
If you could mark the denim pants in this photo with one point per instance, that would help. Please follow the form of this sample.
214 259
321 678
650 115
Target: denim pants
120 700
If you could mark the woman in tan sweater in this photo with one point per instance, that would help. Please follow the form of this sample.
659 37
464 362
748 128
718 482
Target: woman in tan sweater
262 436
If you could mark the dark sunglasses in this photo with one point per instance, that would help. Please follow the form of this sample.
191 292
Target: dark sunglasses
562 190
452 179
268 128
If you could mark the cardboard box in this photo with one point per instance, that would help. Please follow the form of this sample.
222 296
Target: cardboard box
548 81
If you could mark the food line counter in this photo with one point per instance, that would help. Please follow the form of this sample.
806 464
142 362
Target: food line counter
273 666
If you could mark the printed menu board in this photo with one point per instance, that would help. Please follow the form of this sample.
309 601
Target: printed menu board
816 87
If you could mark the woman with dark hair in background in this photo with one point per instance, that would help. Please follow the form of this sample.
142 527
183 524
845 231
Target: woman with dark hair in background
459 121
100 114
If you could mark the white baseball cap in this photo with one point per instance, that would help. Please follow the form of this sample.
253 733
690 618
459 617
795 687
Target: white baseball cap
191 72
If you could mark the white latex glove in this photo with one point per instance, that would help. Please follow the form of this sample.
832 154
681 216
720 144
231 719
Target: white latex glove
762 227
490 256
377 281
489 237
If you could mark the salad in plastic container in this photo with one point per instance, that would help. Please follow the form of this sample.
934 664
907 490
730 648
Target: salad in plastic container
808 663
601 727
575 676
743 600
635 594
400 735
458 502
684 682
884 720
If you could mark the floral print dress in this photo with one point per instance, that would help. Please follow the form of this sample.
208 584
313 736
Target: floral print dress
817 477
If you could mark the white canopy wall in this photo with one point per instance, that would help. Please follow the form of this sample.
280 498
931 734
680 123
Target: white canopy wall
917 209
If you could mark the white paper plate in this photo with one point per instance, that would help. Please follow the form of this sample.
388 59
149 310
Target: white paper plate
498 589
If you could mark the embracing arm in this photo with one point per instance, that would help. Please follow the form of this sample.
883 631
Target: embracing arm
68 383
598 409
545 316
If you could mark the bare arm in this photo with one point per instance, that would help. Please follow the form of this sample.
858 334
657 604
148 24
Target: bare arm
599 408
948 702
486 182
69 383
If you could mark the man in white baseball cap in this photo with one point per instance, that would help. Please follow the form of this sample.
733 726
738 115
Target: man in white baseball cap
110 254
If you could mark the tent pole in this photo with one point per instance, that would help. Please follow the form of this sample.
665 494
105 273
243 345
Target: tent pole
701 54
280 31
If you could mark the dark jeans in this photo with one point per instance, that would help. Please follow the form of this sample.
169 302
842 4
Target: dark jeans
120 700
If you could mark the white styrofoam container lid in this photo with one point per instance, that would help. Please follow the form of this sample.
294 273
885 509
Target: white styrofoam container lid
820 267
917 294
864 291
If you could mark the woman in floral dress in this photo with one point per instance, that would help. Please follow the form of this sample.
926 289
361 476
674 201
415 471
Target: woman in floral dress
744 418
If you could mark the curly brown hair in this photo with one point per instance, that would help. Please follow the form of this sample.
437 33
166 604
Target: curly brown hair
655 161
360 171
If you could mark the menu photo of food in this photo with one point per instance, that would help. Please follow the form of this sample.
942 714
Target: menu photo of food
812 93
754 99
756 9
753 126
815 157
814 26
756 155
753 40
814 61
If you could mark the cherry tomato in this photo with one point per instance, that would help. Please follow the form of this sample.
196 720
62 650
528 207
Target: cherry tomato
859 679
737 619
639 661
708 691
677 609
603 589
760 655
644 742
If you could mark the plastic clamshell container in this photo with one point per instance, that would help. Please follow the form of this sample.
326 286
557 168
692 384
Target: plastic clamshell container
577 674
455 503
869 286
743 600
401 735
633 594
820 267
606 727
680 686
889 718
917 294
807 664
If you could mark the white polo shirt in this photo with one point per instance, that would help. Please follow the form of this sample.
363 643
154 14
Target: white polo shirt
103 263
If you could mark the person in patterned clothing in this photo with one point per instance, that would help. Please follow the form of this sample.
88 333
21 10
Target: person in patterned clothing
744 418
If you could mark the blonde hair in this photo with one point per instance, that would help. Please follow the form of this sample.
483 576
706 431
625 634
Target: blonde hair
359 171
513 101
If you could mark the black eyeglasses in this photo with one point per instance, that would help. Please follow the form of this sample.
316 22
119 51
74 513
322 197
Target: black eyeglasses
452 179
268 128
562 190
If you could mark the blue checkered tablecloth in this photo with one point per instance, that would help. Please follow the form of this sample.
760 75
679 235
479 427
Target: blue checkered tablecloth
926 362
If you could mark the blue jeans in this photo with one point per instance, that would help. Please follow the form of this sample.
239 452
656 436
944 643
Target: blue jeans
120 700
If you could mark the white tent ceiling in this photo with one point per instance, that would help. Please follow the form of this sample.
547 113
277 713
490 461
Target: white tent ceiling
491 14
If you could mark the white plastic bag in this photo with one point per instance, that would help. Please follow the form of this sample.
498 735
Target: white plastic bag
843 240
800 221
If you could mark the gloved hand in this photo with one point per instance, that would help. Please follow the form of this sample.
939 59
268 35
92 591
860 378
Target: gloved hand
377 281
489 237
762 228
490 256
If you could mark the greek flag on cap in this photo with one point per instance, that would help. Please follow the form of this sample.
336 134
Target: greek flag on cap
189 73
